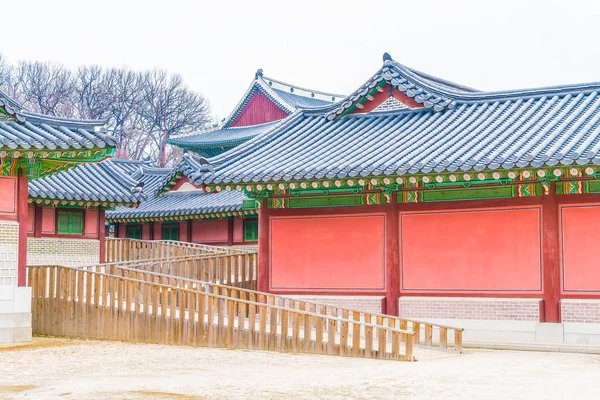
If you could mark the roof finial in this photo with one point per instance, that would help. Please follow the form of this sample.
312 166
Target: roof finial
387 57
259 72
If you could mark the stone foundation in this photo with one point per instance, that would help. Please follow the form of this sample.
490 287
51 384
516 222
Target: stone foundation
67 252
15 314
581 320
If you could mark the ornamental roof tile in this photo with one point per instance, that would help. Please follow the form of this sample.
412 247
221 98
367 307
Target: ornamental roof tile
24 130
99 182
470 130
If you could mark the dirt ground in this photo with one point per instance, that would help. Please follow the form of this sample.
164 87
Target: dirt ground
76 369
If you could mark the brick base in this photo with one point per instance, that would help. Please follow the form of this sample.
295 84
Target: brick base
470 308
67 252
9 253
370 304
580 311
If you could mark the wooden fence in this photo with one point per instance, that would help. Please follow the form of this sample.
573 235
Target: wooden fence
425 334
239 270
133 249
84 303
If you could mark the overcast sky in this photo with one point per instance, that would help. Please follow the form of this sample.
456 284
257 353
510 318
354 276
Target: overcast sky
326 45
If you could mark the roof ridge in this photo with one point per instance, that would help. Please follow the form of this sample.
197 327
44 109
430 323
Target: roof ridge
291 86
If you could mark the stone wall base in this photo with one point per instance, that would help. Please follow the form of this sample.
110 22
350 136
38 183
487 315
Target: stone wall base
502 320
15 314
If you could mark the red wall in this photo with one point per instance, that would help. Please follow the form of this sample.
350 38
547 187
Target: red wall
210 231
238 230
48 220
259 110
91 223
345 253
146 231
580 240
8 197
495 250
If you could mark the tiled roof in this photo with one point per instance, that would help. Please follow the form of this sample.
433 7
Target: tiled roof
457 129
222 136
24 130
186 203
288 98
99 182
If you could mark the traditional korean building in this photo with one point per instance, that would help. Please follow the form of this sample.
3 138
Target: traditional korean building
67 212
33 146
179 210
423 198
265 102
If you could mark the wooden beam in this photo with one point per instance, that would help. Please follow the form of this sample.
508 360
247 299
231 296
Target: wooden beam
359 106
379 89
370 98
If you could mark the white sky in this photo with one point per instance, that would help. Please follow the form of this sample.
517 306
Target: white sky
325 45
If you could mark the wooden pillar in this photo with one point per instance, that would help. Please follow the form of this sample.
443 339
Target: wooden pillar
230 232
392 263
263 248
37 224
551 256
102 235
121 231
23 217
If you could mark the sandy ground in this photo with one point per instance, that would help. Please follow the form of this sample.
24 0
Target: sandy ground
76 369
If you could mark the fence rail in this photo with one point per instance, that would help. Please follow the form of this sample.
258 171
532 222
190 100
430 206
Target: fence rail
425 334
82 302
133 249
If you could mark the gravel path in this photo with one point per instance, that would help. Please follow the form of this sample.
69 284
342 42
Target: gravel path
75 369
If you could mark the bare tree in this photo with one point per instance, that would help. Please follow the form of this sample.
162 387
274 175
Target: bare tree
170 108
46 87
142 109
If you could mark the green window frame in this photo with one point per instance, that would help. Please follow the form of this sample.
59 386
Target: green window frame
133 232
170 232
251 230
70 223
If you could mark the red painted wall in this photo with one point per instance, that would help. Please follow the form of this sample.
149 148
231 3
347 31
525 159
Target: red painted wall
238 230
48 220
209 231
8 197
91 223
496 250
146 228
344 253
259 110
580 239
157 234
184 234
